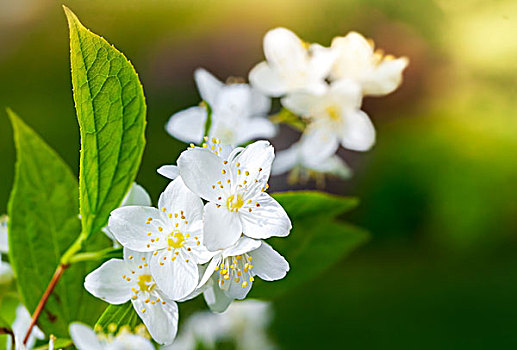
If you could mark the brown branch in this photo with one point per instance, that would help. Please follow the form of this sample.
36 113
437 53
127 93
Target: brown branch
5 330
41 305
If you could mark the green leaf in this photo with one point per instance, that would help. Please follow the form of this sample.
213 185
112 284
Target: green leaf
318 240
111 110
118 315
304 204
43 223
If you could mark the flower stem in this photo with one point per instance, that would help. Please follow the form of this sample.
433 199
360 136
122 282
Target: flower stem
208 123
98 255
57 275
63 265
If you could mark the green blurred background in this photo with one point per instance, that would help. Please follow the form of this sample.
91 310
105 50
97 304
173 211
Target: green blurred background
437 191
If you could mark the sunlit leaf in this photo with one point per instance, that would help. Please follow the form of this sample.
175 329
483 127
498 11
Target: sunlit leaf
111 110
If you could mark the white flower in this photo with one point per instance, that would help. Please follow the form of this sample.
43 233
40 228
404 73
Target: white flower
238 113
230 273
137 195
85 338
291 65
334 118
356 59
118 281
299 159
20 326
174 233
244 323
6 272
234 185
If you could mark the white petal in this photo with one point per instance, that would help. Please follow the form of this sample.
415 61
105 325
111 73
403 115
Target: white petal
188 125
130 226
267 80
176 278
268 264
354 57
334 166
200 169
210 269
176 198
108 283
358 132
284 50
233 103
267 220
84 337
346 93
4 241
243 245
321 61
260 104
216 299
222 227
125 340
385 78
256 159
237 291
286 160
169 171
301 103
133 260
137 195
161 320
318 143
256 128
208 86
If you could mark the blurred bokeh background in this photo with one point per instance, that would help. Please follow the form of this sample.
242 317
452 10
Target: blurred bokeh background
437 191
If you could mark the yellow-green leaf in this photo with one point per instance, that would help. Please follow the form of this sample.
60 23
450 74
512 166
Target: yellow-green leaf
111 110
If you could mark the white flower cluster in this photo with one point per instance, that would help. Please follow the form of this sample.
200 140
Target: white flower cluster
244 324
325 86
185 246
322 85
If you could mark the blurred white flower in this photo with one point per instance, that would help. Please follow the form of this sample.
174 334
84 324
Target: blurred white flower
118 281
6 272
137 195
234 184
245 324
239 113
85 338
51 342
334 118
174 233
230 273
20 326
357 60
298 159
291 65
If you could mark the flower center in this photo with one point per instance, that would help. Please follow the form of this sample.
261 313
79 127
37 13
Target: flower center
334 113
176 240
234 202
146 283
235 269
